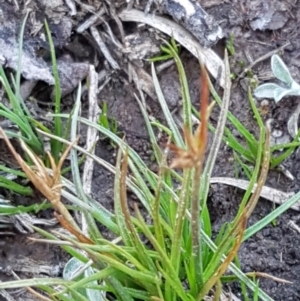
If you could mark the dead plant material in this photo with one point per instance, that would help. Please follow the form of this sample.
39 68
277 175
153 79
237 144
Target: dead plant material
262 177
196 143
237 233
265 275
49 185
80 236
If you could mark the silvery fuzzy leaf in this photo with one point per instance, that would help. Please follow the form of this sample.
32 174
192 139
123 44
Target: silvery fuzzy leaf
73 268
266 90
280 92
292 124
295 86
280 70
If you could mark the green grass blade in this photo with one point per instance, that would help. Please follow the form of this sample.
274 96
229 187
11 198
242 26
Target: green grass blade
205 178
271 216
55 145
237 124
120 218
15 187
176 134
18 75
186 99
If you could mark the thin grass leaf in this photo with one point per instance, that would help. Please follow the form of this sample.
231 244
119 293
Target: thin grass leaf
56 146
92 226
98 276
12 210
271 216
242 284
185 93
172 124
179 221
170 271
237 124
232 142
15 187
258 159
145 277
32 282
277 160
120 218
245 168
160 58
18 75
205 178
156 149
156 208
280 70
128 223
174 285
223 267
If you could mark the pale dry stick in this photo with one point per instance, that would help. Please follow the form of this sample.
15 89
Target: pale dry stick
100 161
132 74
292 124
71 5
148 7
100 88
17 5
162 66
90 21
87 7
292 225
6 295
268 276
210 59
96 35
210 163
262 58
24 222
92 137
229 296
31 290
271 194
113 37
142 79
112 10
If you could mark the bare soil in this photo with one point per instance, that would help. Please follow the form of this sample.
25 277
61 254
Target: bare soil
258 27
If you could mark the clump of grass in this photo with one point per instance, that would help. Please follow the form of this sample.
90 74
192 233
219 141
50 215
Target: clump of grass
245 149
19 114
180 261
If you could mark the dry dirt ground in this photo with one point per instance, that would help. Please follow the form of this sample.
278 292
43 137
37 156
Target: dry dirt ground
258 27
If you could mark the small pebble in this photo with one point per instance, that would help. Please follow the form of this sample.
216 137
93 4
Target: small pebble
277 133
264 103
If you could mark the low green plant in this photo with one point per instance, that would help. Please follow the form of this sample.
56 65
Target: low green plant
18 112
288 85
19 115
180 262
165 54
172 257
245 149
230 45
109 123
